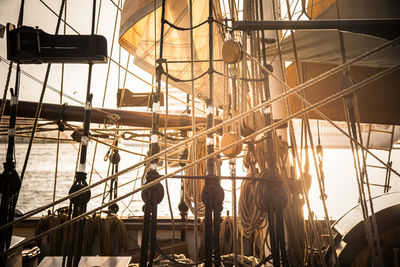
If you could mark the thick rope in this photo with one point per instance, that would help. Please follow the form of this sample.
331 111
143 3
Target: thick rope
272 126
156 181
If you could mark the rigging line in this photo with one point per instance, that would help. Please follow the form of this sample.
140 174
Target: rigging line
274 125
166 165
328 73
363 170
58 132
109 145
361 192
322 115
152 86
65 22
363 173
124 83
185 80
350 137
109 57
41 83
45 138
215 153
39 106
3 102
320 184
109 62
183 28
295 153
104 194
341 40
242 78
232 163
376 233
116 148
308 130
130 181
196 234
98 16
106 83
137 177
117 6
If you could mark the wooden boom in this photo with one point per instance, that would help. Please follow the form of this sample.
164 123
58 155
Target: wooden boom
100 115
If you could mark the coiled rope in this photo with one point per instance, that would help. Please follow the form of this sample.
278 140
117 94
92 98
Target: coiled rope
193 187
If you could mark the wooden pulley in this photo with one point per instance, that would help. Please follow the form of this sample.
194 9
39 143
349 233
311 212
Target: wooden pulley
231 51
227 139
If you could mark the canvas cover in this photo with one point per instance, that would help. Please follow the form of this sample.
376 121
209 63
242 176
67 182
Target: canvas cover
323 46
140 35
377 101
319 51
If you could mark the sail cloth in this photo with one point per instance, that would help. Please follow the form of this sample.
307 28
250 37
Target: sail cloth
323 46
140 24
378 101
320 51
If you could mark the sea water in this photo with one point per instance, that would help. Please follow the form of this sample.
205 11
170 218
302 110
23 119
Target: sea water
39 180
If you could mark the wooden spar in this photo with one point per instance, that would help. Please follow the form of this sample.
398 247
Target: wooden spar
100 115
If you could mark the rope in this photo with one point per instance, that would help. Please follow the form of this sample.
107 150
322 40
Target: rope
61 121
232 165
267 128
166 166
40 82
193 187
112 118
242 78
184 80
307 127
193 154
274 125
364 171
183 28
39 106
226 240
109 57
3 102
250 217
156 181
351 112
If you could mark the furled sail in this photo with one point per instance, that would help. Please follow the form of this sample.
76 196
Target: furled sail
377 101
323 46
140 35
320 51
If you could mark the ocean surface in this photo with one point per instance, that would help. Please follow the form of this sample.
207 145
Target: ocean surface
39 180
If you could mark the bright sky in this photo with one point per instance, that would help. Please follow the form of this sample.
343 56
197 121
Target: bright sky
75 79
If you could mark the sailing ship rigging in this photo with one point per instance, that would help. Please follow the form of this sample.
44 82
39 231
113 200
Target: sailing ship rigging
242 75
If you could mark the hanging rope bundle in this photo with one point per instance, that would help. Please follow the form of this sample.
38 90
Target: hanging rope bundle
93 241
226 240
102 236
56 240
250 217
193 187
115 236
